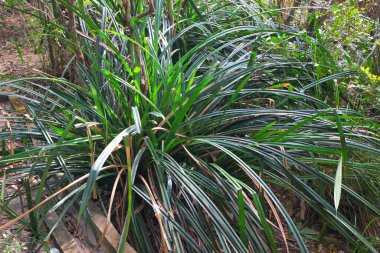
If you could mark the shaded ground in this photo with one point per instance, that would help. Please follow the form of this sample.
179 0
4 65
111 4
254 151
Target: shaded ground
17 59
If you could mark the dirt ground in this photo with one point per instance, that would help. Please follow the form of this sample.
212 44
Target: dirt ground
17 59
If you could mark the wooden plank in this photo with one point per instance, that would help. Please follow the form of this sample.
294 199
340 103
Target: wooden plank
112 237
63 237
64 240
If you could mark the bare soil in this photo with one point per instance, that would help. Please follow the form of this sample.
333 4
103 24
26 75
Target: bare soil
17 59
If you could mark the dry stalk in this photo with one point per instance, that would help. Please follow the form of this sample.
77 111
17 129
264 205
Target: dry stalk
74 37
109 211
15 220
171 18
158 215
273 209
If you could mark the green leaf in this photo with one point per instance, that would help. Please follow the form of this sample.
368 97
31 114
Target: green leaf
338 184
96 168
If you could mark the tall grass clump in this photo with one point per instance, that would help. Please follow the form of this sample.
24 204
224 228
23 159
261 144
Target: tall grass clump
196 116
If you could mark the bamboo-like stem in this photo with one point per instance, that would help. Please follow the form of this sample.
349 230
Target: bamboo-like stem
92 157
171 18
127 11
127 144
148 12
74 37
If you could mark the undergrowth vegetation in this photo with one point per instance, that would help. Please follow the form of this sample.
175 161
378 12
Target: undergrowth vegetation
196 117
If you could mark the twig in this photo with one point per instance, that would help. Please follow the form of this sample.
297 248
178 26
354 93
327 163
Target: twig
373 51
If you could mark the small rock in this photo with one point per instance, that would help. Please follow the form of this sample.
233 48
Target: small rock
54 250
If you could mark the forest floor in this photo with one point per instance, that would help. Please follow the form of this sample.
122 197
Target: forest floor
17 59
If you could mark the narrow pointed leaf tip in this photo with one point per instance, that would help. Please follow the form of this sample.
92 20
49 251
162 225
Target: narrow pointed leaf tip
136 117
